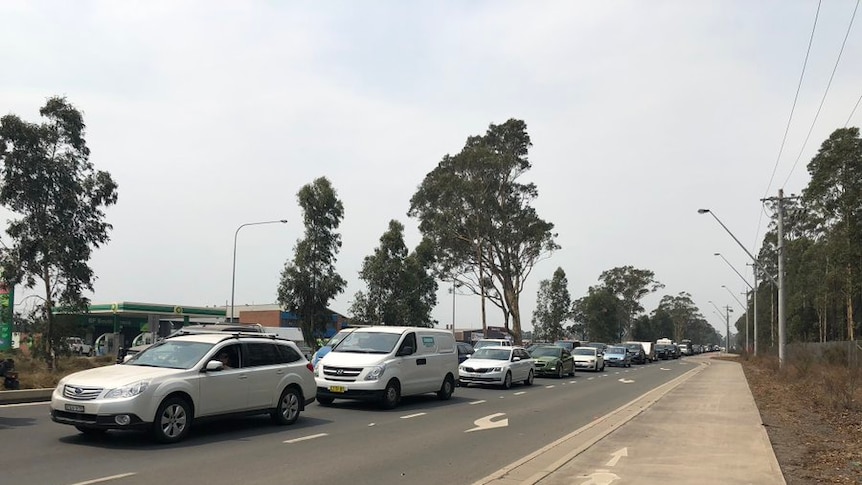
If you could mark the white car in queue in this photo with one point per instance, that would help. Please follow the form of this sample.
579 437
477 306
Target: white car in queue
187 378
589 358
497 365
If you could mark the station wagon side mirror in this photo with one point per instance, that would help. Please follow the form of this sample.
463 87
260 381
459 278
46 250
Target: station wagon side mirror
213 365
516 359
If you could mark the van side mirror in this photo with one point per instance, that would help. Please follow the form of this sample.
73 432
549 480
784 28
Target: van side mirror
516 359
406 350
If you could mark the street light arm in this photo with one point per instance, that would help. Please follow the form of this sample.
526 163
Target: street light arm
735 298
735 271
704 211
233 270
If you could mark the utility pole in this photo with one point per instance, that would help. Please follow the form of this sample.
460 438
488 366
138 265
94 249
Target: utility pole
727 311
782 305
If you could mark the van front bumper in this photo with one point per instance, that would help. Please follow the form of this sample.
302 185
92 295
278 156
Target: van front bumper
357 394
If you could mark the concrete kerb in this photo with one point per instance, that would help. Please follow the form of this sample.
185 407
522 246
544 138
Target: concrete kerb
541 463
25 396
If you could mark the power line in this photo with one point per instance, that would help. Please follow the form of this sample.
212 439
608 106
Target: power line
795 98
823 100
853 112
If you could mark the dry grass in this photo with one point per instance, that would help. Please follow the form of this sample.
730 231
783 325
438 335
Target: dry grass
34 374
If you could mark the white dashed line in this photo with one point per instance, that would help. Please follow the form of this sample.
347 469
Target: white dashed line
306 438
477 402
370 424
572 382
413 415
520 393
590 378
550 387
105 479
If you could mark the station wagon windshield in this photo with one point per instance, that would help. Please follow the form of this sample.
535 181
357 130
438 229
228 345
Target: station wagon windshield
615 350
492 353
368 343
583 351
171 354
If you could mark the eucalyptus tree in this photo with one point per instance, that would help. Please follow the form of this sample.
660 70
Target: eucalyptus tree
553 308
58 199
833 199
683 314
400 287
630 285
477 214
597 315
309 282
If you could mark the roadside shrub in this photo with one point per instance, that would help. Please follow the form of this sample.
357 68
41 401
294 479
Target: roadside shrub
802 360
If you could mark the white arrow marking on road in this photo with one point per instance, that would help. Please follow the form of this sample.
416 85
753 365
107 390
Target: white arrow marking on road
413 415
617 455
305 438
477 402
625 381
487 423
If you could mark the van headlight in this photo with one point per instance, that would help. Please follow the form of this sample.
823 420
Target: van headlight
375 373
131 390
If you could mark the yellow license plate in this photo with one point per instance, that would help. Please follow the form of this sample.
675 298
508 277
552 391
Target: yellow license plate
337 389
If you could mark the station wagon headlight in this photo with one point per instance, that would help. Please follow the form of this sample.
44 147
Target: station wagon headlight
375 373
131 390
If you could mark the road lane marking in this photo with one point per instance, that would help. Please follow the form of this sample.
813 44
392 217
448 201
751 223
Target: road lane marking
572 382
617 455
590 378
477 402
370 424
306 438
105 479
625 381
488 423
520 393
413 415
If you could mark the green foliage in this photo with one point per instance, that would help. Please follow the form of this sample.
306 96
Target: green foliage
478 217
553 308
630 285
310 281
400 288
599 316
49 182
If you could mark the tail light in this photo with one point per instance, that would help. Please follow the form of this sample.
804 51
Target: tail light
309 366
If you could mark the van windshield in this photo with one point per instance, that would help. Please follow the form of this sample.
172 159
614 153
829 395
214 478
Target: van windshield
368 343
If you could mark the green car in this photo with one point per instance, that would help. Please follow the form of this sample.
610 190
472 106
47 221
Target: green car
551 360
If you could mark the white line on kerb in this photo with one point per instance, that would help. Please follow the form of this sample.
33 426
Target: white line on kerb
305 438
520 393
413 415
477 402
105 479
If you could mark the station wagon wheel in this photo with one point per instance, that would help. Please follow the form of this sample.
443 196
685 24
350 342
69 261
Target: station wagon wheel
287 411
391 395
173 420
446 389
507 381
529 380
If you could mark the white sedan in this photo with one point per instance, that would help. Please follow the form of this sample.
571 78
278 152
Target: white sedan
589 358
497 365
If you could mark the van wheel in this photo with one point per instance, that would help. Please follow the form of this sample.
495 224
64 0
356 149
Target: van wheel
446 389
391 395
325 401
173 420
529 380
507 381
287 411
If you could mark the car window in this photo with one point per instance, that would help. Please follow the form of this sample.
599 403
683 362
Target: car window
409 341
523 354
287 354
259 354
492 353
548 351
584 351
171 354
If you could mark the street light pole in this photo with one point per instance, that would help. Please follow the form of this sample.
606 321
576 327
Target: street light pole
754 290
233 271
745 309
727 311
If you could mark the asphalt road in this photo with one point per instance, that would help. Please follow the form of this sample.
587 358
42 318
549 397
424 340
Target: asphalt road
423 441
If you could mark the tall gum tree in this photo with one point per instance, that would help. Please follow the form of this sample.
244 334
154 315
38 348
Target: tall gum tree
47 179
553 307
477 214
310 280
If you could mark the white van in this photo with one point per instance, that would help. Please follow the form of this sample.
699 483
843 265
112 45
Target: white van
384 363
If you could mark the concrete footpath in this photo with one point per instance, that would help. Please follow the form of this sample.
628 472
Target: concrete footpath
703 427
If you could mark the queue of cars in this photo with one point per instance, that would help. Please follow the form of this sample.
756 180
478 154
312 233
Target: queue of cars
208 373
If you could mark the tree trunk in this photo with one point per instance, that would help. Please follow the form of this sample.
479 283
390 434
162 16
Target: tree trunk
482 289
512 302
49 319
849 306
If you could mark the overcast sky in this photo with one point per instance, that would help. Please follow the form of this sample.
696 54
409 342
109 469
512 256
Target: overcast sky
214 114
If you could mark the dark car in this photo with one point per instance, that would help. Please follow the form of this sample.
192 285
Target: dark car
662 352
465 350
637 352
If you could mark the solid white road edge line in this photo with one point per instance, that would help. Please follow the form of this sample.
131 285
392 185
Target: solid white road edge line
105 479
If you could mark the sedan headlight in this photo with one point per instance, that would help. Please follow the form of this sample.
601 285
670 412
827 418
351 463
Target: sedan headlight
131 390
375 373
496 369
